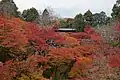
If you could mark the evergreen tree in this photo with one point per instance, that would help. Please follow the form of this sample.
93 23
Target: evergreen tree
88 17
8 7
116 11
79 23
99 19
30 14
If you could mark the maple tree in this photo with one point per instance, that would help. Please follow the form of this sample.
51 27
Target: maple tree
11 35
88 33
78 55
19 35
30 69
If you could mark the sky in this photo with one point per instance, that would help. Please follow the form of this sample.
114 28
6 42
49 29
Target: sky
68 8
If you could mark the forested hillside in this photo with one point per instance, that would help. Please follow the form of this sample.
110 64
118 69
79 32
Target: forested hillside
31 49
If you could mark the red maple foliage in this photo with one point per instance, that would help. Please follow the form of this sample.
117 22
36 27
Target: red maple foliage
16 33
82 55
12 35
15 69
114 57
88 33
75 60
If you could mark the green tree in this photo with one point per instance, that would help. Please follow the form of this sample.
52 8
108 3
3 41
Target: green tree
30 15
88 17
100 19
66 23
108 20
78 22
63 24
8 7
116 10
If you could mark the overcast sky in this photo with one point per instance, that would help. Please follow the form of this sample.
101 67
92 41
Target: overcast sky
68 8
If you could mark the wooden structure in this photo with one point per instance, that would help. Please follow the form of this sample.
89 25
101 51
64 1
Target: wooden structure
65 30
